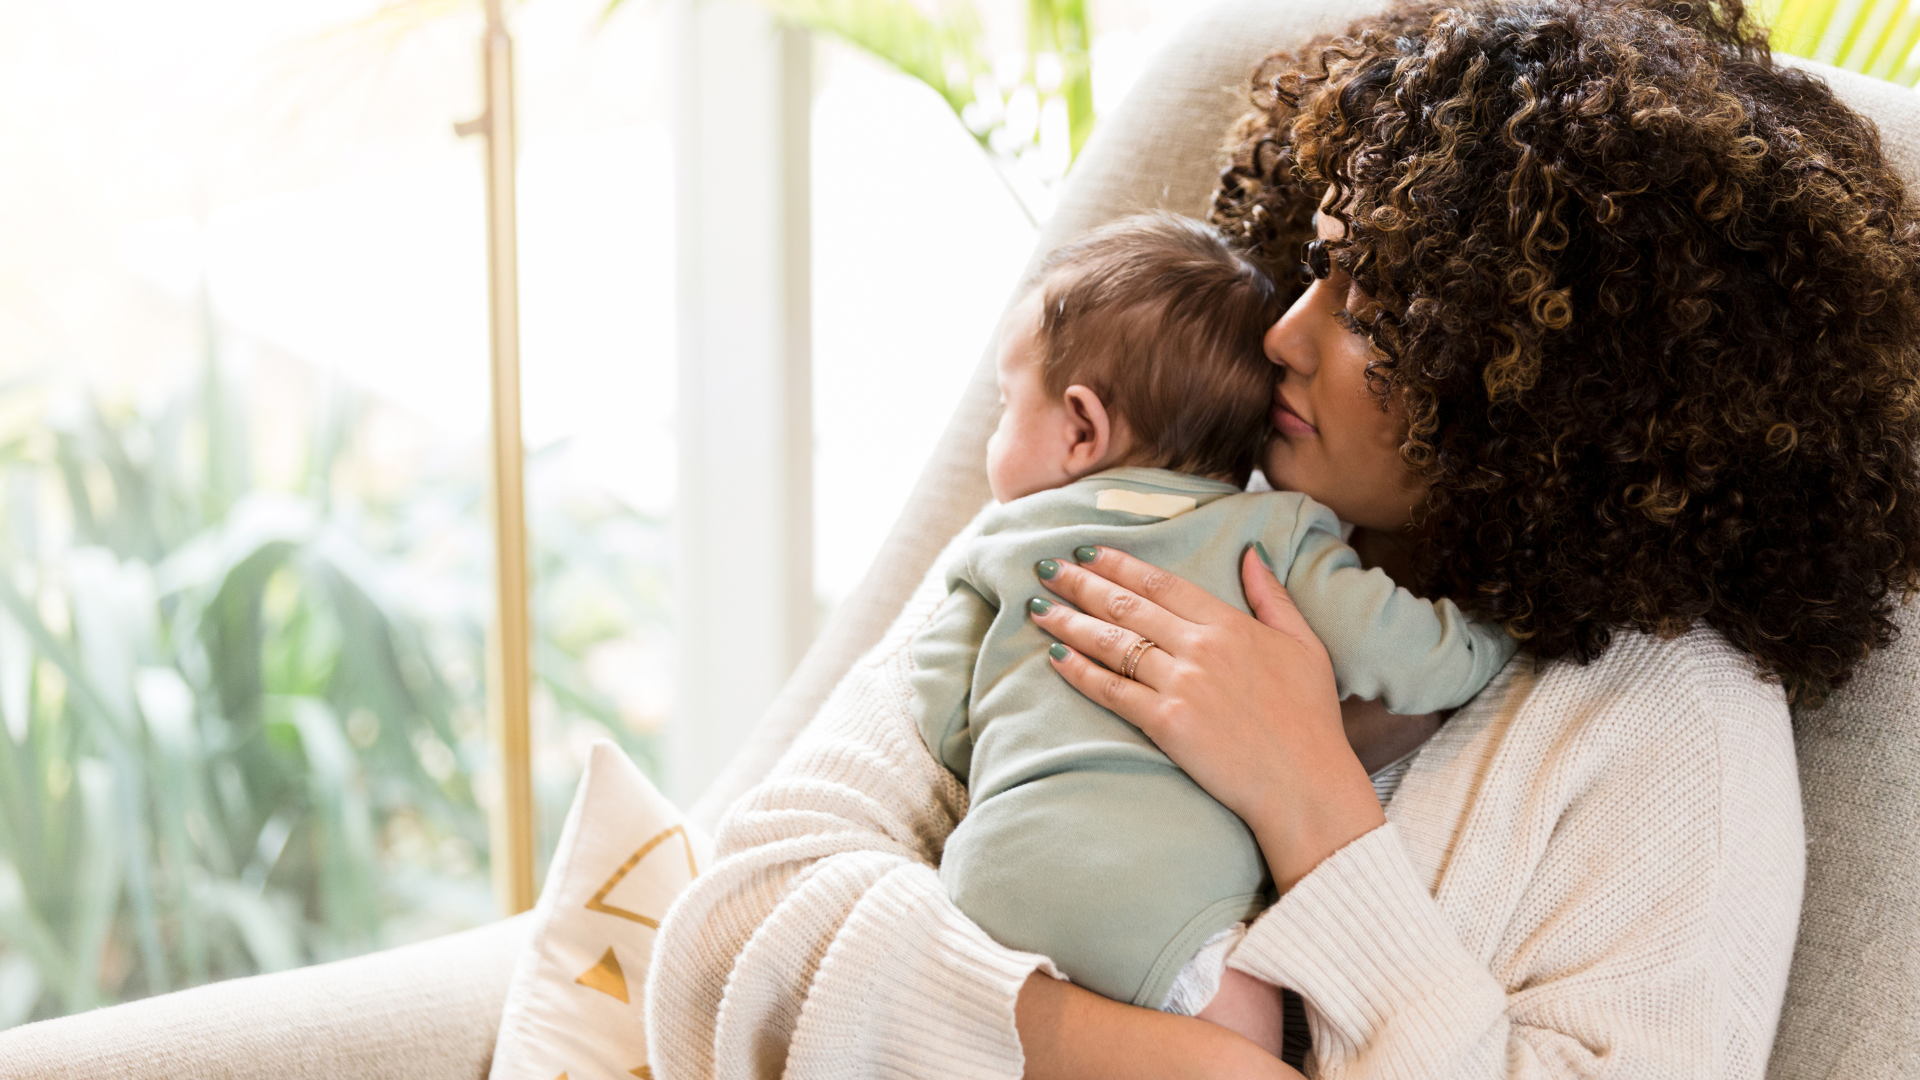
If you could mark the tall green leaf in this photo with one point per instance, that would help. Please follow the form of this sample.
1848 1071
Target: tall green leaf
236 734
1875 37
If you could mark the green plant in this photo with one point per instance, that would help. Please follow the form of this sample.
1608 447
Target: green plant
942 44
1880 38
944 48
242 727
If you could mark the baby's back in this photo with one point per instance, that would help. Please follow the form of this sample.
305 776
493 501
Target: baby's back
1084 842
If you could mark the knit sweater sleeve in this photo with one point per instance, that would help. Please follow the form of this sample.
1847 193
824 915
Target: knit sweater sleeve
822 943
1620 899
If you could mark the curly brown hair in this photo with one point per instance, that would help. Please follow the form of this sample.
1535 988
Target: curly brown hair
1651 303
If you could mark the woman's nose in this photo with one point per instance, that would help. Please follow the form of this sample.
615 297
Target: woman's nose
1290 342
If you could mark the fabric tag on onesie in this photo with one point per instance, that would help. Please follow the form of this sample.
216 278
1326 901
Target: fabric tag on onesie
1145 503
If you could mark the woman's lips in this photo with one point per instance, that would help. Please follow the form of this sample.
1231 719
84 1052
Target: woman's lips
1288 422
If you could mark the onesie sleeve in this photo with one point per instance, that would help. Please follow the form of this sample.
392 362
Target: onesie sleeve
1417 655
944 652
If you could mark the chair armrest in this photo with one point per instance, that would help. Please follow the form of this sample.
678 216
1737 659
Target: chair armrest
422 1012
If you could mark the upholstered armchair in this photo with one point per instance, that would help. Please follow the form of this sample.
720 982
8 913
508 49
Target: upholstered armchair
430 1011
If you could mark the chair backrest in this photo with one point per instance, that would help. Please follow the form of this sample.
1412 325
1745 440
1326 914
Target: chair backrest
1853 1004
1158 150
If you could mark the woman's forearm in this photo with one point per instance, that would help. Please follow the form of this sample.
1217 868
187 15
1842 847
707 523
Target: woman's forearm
1071 1033
1295 835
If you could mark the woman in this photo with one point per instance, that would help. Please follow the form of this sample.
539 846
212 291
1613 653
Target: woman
1611 337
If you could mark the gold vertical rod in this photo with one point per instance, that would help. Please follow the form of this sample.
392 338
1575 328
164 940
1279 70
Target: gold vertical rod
510 640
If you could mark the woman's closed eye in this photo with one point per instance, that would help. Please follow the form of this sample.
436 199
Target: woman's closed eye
1358 313
1361 311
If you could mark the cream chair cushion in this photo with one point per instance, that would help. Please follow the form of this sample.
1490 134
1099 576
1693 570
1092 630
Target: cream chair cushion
1853 1000
423 1012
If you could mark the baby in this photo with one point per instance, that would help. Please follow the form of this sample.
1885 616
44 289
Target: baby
1136 396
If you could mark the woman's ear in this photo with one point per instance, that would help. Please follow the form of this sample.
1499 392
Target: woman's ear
1090 434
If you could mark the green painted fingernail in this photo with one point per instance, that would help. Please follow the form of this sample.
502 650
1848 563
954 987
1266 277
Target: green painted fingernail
1039 605
1047 569
1260 549
1086 554
1057 651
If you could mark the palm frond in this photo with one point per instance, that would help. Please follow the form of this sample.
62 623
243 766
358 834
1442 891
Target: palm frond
230 744
1880 38
943 49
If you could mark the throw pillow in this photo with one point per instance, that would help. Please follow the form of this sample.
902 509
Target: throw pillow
574 1009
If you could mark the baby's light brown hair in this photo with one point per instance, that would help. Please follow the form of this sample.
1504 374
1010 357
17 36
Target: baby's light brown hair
1162 318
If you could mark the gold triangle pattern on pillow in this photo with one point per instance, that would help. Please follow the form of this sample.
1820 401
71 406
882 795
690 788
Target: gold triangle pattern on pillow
576 1009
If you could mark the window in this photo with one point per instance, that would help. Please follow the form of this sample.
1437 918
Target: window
244 406
243 416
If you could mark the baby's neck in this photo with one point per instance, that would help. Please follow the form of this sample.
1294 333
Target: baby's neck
1126 462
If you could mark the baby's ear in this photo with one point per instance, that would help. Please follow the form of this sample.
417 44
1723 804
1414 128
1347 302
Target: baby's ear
1089 430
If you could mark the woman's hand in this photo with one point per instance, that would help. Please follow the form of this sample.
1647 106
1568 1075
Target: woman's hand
1247 706
1071 1033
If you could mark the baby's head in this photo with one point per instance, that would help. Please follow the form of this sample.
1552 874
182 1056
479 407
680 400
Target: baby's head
1139 344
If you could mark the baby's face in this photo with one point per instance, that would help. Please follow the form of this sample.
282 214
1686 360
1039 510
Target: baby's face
1028 451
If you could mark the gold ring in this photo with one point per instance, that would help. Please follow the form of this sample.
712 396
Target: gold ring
1132 660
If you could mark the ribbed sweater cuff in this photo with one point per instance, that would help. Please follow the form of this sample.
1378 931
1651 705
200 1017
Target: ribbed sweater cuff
911 981
1373 955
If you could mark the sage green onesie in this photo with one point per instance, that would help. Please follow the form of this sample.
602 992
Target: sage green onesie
1085 843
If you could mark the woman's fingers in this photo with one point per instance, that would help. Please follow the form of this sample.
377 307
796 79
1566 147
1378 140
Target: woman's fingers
1109 644
1268 598
1131 700
1113 603
1169 592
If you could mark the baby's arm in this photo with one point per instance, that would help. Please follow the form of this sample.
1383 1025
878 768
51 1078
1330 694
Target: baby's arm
1247 1006
1418 655
944 652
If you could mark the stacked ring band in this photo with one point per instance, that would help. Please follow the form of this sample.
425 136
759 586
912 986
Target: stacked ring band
1132 660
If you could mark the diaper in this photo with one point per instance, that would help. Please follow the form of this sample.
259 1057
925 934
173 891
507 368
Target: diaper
1199 980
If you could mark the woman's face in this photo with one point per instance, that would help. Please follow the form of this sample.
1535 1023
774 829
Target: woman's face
1335 442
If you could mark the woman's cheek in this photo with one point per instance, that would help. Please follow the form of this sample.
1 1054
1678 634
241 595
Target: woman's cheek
1312 472
1286 468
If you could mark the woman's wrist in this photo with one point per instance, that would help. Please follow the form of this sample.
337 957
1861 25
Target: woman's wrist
1297 835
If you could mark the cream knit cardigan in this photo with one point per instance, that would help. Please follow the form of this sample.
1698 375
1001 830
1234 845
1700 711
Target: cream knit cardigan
1589 871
